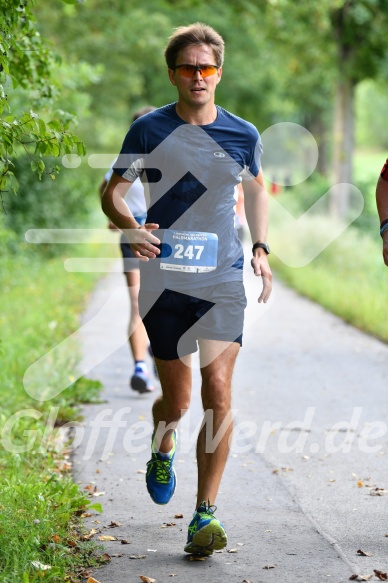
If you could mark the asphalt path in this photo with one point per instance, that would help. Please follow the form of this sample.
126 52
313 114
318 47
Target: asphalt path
306 485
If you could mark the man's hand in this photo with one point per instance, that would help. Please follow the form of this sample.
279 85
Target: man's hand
385 247
261 268
142 241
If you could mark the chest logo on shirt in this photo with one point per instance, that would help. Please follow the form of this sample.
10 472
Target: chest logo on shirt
219 154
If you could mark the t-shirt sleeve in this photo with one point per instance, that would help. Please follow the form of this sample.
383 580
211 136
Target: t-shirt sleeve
384 171
130 162
253 158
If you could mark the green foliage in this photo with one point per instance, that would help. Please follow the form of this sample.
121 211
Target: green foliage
27 66
35 539
39 308
347 277
372 110
66 202
360 29
135 72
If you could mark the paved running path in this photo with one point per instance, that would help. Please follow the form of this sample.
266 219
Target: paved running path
310 400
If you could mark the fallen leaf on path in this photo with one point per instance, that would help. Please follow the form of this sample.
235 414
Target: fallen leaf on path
118 555
269 566
232 551
381 575
89 487
364 554
137 556
141 471
106 537
360 577
196 558
360 484
96 494
90 534
86 515
178 516
378 492
92 580
125 542
172 575
240 544
114 524
147 579
105 558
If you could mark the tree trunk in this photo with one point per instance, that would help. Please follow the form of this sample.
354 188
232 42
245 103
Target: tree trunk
318 127
343 147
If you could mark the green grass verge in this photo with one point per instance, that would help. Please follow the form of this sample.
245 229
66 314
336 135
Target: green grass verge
39 504
348 278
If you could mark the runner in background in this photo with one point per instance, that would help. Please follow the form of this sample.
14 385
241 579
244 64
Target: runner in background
138 340
382 207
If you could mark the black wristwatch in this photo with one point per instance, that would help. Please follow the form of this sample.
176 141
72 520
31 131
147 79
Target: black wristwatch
262 246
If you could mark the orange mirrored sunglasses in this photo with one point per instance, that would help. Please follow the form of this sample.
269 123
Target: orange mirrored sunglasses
190 70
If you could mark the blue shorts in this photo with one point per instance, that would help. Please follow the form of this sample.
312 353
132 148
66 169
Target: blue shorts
175 321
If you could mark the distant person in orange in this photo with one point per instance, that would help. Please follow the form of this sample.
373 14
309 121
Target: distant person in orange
382 207
274 187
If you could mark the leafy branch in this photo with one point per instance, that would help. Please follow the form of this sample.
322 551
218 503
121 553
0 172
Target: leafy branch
26 62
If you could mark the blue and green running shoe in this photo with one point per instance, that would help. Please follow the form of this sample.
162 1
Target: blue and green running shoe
161 477
206 533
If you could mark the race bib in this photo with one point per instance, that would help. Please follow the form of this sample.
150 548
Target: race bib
190 252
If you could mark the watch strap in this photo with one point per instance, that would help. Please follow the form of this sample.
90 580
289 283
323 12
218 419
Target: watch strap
261 246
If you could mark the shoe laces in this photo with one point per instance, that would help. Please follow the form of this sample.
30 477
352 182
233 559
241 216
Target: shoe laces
208 508
163 471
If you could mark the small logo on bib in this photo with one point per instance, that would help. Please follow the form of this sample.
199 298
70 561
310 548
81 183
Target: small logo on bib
219 154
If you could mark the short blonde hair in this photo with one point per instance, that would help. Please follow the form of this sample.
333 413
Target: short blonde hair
194 34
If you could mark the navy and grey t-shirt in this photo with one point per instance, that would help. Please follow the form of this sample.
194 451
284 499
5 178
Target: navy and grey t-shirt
190 173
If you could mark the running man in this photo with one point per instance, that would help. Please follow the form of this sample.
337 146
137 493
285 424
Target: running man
190 156
382 207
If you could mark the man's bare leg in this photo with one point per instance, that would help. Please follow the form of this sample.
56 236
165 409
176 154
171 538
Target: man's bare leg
138 339
175 379
216 397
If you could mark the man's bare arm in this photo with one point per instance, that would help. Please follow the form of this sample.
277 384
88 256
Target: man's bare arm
382 208
256 210
140 238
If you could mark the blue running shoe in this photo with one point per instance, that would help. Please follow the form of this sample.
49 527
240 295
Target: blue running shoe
206 533
140 381
161 477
